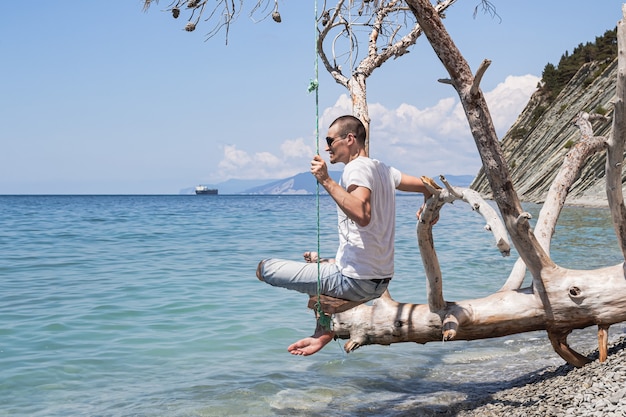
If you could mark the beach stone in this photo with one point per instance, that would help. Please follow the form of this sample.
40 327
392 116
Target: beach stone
596 389
617 396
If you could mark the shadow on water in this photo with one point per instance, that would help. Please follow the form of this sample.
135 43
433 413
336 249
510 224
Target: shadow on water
416 398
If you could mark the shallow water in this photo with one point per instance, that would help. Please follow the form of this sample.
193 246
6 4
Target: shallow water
148 306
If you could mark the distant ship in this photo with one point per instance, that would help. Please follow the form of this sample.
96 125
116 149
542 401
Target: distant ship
203 189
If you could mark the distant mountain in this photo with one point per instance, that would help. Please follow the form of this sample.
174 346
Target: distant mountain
300 184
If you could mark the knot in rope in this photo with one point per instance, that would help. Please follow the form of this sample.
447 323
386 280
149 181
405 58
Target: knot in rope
313 85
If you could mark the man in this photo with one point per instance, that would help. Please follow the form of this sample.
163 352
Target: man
365 199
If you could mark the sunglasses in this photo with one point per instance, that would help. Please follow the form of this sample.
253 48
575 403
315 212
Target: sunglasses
330 140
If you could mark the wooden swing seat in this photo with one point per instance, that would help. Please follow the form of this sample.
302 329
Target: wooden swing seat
332 305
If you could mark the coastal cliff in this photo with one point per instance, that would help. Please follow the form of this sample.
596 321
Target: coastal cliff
538 141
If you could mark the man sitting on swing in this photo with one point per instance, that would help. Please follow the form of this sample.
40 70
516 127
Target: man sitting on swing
366 207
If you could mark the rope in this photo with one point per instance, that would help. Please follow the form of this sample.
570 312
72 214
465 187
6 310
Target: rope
322 319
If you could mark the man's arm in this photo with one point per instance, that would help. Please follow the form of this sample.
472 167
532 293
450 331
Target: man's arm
355 202
413 184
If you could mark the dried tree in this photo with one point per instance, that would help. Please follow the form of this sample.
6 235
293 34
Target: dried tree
559 299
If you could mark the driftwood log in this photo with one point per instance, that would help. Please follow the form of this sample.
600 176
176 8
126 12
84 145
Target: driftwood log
559 300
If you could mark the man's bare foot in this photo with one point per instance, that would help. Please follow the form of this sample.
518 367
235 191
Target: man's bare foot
310 345
312 257
313 344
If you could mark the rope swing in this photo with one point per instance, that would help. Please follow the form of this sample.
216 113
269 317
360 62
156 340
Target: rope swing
321 302
322 319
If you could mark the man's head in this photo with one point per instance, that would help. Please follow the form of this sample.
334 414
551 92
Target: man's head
346 139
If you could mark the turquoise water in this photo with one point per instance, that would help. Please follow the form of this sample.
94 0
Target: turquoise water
148 306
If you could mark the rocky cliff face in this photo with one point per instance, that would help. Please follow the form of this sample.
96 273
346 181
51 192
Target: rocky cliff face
542 135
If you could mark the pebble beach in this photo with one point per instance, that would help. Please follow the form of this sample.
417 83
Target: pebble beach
597 389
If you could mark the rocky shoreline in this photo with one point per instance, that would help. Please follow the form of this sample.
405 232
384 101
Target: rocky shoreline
597 389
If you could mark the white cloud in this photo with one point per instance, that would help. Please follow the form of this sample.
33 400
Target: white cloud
341 107
508 99
437 140
294 158
296 148
430 141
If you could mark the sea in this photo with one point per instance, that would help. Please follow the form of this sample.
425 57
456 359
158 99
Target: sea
141 305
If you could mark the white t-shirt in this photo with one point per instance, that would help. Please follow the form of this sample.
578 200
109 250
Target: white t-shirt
367 252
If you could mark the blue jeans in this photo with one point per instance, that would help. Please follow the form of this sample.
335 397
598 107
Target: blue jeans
303 277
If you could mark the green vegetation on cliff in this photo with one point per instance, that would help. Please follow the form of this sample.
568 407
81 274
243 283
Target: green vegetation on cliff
603 50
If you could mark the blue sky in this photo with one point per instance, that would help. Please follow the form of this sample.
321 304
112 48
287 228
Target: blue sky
108 99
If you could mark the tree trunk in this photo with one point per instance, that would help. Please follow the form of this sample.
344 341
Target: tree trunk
615 153
358 92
